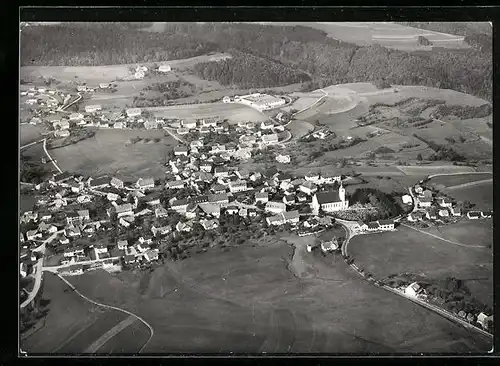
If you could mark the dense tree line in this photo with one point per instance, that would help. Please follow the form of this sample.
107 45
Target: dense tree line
464 111
385 203
32 171
326 60
441 152
247 70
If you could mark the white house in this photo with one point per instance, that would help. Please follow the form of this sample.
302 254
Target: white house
261 197
133 112
455 211
92 108
445 202
122 244
164 68
100 249
291 217
407 199
139 75
181 150
275 207
124 210
308 187
270 139
443 213
473 215
386 225
330 201
238 186
425 202
413 289
145 183
284 159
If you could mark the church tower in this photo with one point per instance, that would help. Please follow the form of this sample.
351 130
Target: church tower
342 192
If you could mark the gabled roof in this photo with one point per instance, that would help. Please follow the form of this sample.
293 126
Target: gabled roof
327 197
386 222
177 203
218 197
145 181
373 225
100 181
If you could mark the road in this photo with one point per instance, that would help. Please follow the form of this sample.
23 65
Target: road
70 104
55 269
50 157
38 269
114 308
31 144
325 94
175 136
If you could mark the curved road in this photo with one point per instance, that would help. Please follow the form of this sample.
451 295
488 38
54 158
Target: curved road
114 308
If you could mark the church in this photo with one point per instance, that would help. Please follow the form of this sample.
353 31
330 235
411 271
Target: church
330 201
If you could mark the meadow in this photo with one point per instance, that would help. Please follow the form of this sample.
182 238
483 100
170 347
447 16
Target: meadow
110 152
480 194
408 250
445 181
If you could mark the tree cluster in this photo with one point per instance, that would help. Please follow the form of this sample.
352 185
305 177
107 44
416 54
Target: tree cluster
385 203
464 111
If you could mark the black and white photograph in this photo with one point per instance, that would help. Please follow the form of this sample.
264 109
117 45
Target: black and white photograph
255 188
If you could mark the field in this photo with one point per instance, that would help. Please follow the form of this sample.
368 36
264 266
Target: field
386 34
74 325
445 181
480 194
431 169
29 133
232 111
246 300
408 250
108 152
107 73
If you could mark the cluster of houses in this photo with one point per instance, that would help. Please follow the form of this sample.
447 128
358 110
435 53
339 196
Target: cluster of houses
416 290
46 100
258 101
432 207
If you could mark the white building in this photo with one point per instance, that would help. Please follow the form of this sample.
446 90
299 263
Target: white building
407 199
92 108
330 201
284 159
133 112
164 68
413 289
275 207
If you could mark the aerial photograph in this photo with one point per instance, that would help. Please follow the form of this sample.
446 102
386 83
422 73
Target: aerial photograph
255 188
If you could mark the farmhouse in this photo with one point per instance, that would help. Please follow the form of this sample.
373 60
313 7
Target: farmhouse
124 210
164 68
275 207
145 183
179 205
473 215
261 197
76 269
443 213
270 139
291 217
329 246
455 211
175 184
386 224
445 202
372 226
92 108
407 199
330 177
416 216
75 116
117 183
425 202
308 187
100 182
330 201
238 186
180 150
413 289
133 112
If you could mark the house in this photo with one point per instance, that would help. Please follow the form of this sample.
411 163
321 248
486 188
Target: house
100 182
209 224
23 271
33 235
407 199
119 125
62 133
232 210
162 230
179 205
83 215
122 244
112 197
443 213
455 211
218 188
44 215
426 194
129 259
221 198
289 199
261 197
255 176
75 116
161 212
330 201
100 249
74 252
206 166
386 225
330 245
413 289
145 183
189 125
76 269
291 217
72 217
117 183
182 131
472 215
63 240
104 85
164 68
123 210
133 112
92 108
416 216
181 150
445 202
237 186
308 187
221 171
418 189
270 139
431 214
151 255
61 178
372 226
330 177
275 207
486 214
425 202
72 231
360 226
484 319
183 226
266 125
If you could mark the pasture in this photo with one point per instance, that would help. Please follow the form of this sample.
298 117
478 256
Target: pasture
480 194
437 168
71 325
445 181
110 152
232 111
246 300
408 250
29 133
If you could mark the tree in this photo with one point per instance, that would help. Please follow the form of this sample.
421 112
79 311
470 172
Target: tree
419 157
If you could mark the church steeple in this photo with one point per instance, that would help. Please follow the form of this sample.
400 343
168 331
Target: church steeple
342 192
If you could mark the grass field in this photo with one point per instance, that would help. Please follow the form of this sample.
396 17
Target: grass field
410 251
232 111
108 152
430 169
481 195
72 324
29 133
247 300
444 181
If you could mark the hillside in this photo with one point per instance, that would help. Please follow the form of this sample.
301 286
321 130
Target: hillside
327 60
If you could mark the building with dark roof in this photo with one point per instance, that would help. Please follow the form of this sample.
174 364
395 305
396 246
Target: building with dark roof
330 201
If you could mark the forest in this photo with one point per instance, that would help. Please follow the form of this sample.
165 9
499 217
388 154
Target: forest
310 51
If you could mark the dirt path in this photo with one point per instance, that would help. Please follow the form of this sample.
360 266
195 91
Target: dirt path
443 239
94 347
470 184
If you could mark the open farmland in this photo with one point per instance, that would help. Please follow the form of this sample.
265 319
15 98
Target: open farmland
105 74
110 152
408 250
386 34
29 133
245 300
481 194
72 324
232 111
438 168
445 181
